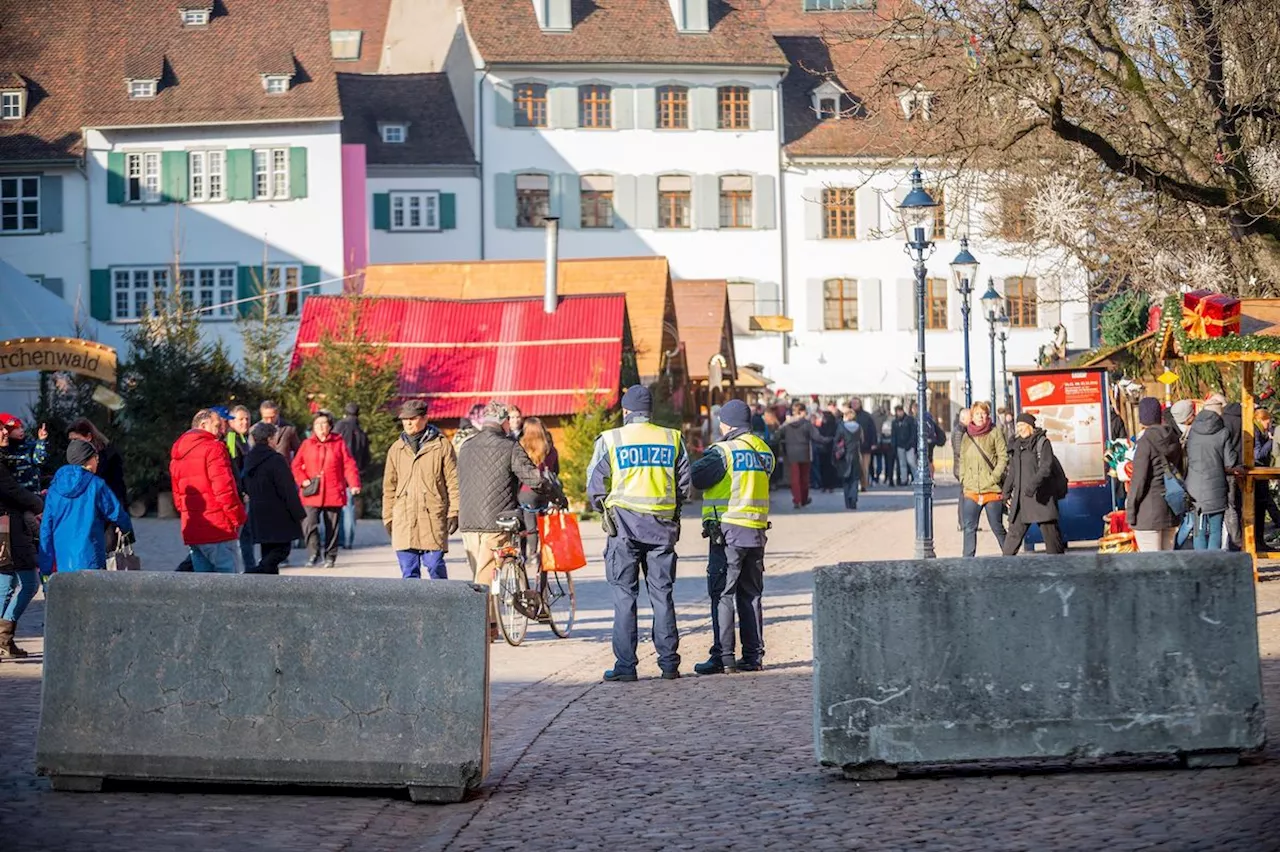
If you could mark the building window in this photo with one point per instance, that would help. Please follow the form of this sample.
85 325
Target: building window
207 176
839 213
11 105
939 195
270 173
735 201
597 201
415 211
195 17
139 292
394 134
19 205
345 44
828 108
1020 302
935 301
742 305
840 304
675 201
673 108
1014 222
281 291
917 104
595 107
839 5
142 88
142 177
531 105
735 107
275 84
533 200
940 402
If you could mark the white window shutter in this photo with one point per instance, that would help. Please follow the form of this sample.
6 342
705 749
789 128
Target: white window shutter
703 113
768 302
868 213
646 202
504 200
503 108
954 319
894 222
906 299
624 201
813 214
570 200
563 107
624 108
706 202
869 313
813 304
646 112
763 199
762 109
1048 302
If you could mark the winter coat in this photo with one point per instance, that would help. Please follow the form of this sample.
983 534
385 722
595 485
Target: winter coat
26 458
1159 450
205 491
329 460
285 441
491 469
1263 446
356 439
14 502
797 437
1028 483
111 471
975 474
550 467
848 448
420 492
275 509
1210 453
867 425
76 511
904 433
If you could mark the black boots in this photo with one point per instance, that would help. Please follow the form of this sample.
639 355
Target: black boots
7 646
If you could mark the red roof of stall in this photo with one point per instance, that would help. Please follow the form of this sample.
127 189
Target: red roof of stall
458 353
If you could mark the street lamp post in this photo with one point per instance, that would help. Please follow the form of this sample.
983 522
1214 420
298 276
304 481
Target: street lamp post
1003 322
964 270
992 306
916 210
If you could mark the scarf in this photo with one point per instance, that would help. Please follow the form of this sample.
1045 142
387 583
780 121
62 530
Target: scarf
978 432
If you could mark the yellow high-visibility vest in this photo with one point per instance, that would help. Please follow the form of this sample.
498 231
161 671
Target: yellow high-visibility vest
642 463
741 497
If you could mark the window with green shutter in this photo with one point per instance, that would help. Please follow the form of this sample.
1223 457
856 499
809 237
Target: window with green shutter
240 174
115 177
382 211
448 211
100 294
173 172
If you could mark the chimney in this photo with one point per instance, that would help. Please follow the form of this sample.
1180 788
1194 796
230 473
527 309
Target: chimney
551 294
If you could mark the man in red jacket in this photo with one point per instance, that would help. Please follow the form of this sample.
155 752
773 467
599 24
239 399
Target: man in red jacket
207 497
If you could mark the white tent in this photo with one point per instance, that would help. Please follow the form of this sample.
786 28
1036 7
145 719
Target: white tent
27 309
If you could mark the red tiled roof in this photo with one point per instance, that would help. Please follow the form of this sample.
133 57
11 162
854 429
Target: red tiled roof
788 17
702 309
623 31
425 102
41 43
458 353
370 18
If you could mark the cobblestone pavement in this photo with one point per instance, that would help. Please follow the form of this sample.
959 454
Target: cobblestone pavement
699 763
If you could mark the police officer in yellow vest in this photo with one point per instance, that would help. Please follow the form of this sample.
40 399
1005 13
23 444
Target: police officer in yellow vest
639 478
734 479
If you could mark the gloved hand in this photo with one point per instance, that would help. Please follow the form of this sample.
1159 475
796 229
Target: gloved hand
452 524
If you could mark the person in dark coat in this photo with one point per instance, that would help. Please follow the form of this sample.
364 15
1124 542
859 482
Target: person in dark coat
276 520
828 476
1264 503
1029 488
1210 454
1232 524
357 441
904 445
797 438
869 437
18 579
1159 451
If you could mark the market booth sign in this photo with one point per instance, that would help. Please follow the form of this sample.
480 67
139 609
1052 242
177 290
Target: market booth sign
58 354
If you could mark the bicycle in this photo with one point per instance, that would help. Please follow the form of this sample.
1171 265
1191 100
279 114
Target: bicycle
554 603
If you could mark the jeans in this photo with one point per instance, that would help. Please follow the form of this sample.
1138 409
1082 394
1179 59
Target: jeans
906 465
348 537
971 513
1208 533
273 554
735 584
221 558
624 559
20 588
413 561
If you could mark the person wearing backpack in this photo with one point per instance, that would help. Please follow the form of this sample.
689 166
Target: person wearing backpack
1032 487
1156 498
983 459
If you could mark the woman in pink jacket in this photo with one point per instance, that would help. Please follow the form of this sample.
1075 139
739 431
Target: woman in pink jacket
324 470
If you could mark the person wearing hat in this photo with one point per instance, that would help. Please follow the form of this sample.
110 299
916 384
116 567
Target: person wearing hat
77 509
357 441
734 478
420 494
1183 413
1157 454
26 457
1033 486
639 477
18 580
276 516
1210 454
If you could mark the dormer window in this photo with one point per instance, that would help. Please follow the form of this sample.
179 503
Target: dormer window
827 109
142 88
394 134
195 17
275 84
827 101
916 104
13 104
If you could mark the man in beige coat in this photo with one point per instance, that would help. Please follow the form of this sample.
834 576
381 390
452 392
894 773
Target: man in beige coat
420 494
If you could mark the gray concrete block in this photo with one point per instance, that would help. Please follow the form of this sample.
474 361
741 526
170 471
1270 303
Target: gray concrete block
261 679
989 659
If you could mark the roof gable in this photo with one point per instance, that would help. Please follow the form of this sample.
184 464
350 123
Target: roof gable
424 102
702 309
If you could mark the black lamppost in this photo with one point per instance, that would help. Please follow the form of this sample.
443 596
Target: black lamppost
964 270
993 307
916 211
1003 322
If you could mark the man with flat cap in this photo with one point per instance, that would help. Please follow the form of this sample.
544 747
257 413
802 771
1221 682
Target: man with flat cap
638 478
420 494
734 479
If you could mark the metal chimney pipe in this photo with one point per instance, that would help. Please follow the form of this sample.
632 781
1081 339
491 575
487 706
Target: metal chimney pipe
551 294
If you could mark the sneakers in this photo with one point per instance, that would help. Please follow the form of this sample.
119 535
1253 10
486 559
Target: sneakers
331 563
612 676
313 561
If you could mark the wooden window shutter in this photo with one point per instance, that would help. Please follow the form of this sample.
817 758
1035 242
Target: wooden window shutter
173 176
50 204
240 175
100 293
448 211
297 172
115 177
382 211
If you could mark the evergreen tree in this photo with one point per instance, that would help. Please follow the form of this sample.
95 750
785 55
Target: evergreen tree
265 333
580 433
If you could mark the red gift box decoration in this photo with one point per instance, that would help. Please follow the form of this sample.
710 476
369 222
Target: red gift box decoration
1207 314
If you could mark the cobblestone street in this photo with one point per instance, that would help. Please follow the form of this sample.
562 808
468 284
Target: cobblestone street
698 763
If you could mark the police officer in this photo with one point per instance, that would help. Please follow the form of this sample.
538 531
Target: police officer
638 478
734 479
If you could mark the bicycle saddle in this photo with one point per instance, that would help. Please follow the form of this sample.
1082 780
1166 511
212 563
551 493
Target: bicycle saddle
509 522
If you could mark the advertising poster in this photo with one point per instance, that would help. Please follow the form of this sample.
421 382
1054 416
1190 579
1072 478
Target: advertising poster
1071 408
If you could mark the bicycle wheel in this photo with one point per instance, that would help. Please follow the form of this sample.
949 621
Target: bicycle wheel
561 602
511 581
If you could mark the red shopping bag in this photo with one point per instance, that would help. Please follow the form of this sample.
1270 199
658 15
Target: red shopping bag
560 542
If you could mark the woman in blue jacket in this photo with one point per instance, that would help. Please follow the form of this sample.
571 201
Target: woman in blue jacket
77 509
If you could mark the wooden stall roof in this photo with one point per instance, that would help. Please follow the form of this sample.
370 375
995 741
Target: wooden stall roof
645 281
702 312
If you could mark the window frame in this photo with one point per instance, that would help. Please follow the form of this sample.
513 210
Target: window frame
939 196
147 91
825 114
272 293
204 193
595 102
1028 303
385 130
195 17
602 201
675 205
20 199
428 210
670 103
735 205
846 297
936 294
276 173
217 281
14 99
529 104
143 195
1015 218
838 6
336 36
526 201
279 80
733 107
846 211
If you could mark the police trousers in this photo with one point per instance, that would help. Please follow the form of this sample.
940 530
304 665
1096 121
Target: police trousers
735 584
624 559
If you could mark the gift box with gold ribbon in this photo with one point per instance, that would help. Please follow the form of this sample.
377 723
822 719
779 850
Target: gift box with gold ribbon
1207 314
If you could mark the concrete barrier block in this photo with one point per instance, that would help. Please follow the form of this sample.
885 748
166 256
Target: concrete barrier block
1083 656
262 679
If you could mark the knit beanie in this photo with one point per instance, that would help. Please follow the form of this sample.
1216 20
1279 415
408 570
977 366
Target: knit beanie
1027 418
1149 411
736 414
79 452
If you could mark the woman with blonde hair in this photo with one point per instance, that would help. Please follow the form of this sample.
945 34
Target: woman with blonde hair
537 443
984 456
